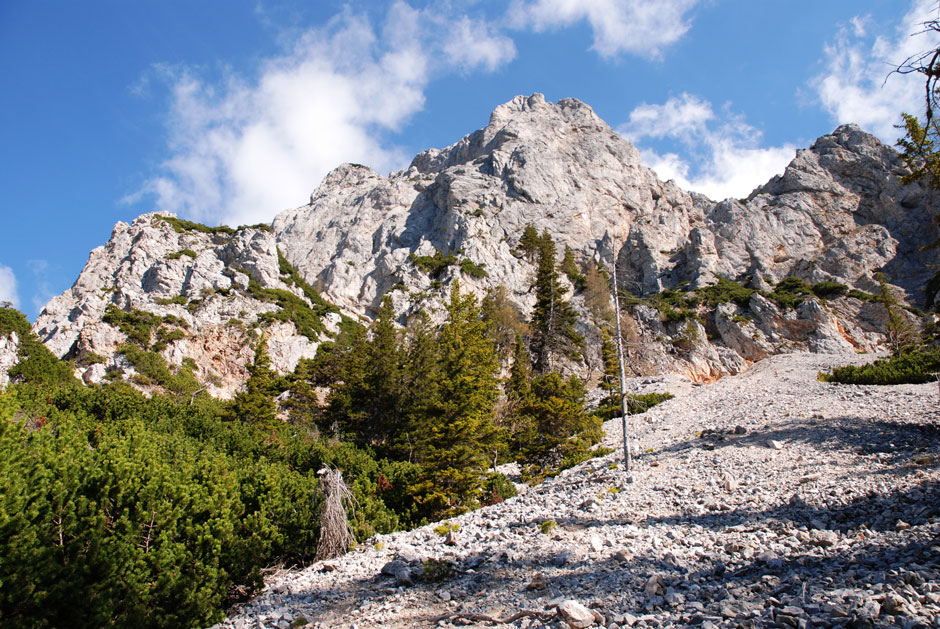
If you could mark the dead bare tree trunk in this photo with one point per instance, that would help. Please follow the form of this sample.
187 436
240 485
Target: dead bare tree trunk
336 534
627 459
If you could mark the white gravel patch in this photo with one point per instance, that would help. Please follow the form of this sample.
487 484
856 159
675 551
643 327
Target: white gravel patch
764 499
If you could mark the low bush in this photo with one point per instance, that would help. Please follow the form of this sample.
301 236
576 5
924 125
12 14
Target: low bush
433 265
472 269
915 367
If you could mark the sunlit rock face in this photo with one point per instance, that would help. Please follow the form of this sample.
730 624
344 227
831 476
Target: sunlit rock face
196 284
838 213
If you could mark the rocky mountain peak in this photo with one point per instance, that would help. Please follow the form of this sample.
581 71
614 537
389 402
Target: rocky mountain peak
527 123
838 214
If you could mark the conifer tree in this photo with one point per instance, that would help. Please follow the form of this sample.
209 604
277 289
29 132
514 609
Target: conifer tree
518 385
382 392
503 320
559 429
530 242
553 320
459 431
420 374
570 268
514 421
255 405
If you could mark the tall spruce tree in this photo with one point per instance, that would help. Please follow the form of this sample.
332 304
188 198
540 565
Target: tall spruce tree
553 320
420 375
255 405
382 393
459 433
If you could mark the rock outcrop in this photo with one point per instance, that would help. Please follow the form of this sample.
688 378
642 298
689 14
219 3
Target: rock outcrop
199 292
837 214
9 356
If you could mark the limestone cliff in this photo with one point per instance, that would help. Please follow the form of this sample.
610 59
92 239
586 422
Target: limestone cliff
838 214
195 295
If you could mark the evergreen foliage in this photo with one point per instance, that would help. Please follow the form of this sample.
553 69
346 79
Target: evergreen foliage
433 265
902 335
36 363
915 367
179 254
570 268
459 433
471 269
138 325
553 320
255 404
556 431
120 510
530 242
181 226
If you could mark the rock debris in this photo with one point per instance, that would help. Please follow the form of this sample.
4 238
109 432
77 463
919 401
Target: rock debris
835 525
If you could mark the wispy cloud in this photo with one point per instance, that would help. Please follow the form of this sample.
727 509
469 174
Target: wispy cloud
8 291
473 44
245 149
639 27
42 290
858 85
723 153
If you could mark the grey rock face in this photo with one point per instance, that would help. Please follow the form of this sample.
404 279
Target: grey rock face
838 213
9 356
199 278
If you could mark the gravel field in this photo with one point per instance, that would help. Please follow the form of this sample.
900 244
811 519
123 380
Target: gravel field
764 499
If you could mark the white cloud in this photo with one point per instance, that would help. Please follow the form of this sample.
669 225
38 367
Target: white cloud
8 286
472 44
245 149
858 87
726 159
640 27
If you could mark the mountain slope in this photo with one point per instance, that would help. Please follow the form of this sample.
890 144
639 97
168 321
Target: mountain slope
838 215
765 499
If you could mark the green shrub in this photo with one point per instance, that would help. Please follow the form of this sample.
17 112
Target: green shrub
641 402
445 528
637 403
790 292
915 367
179 254
548 526
724 291
829 290
434 265
178 300
181 226
136 324
470 268
36 363
862 295
155 371
436 571
497 488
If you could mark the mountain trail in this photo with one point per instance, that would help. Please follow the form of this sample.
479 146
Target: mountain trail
764 499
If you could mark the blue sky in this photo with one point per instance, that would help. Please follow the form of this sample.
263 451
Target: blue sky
230 111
